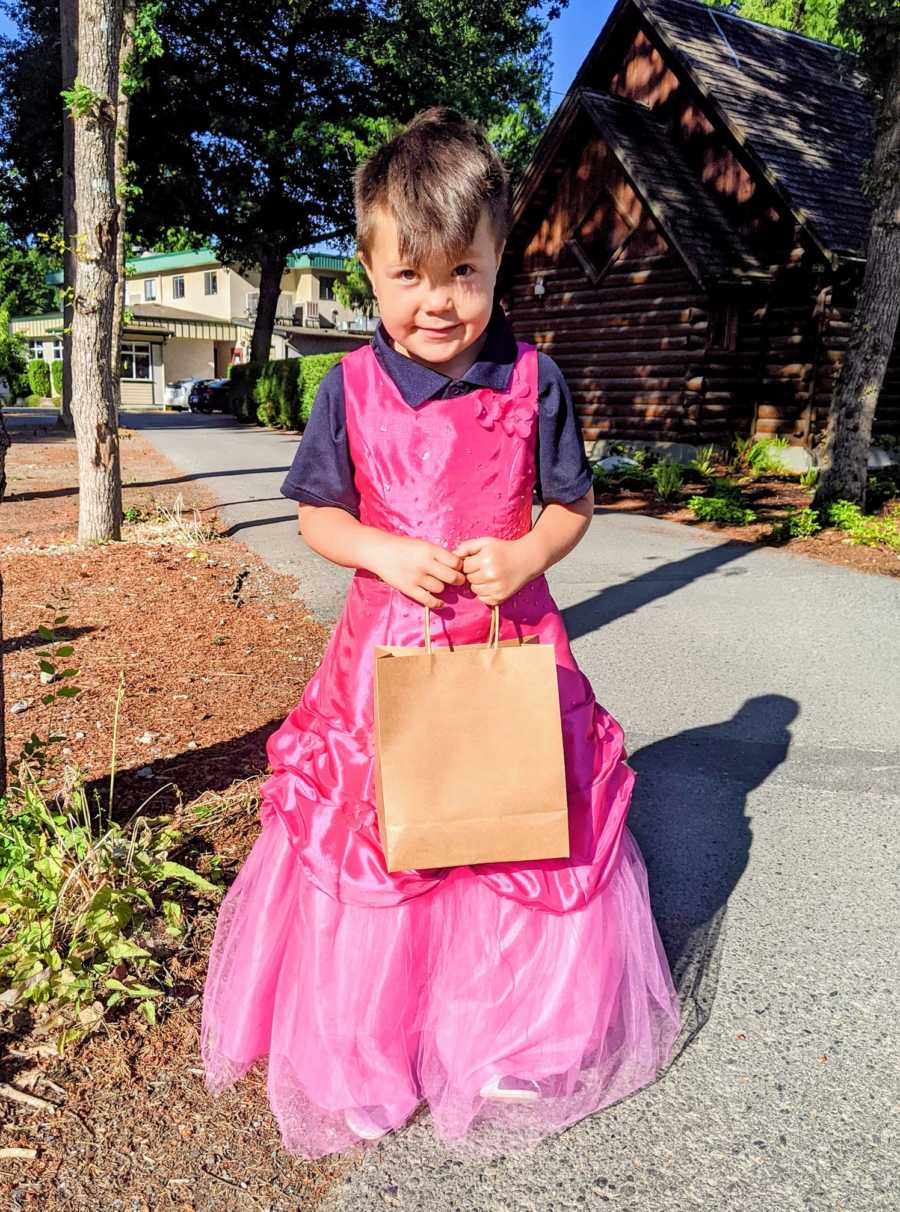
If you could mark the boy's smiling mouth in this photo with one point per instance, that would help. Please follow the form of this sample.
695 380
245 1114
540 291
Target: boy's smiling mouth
438 332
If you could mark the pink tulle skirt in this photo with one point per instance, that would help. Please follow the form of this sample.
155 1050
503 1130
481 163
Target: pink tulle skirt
358 1006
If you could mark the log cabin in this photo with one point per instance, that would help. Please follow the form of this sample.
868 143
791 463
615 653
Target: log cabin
690 233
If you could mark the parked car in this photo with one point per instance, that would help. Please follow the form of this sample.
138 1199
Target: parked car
178 391
207 395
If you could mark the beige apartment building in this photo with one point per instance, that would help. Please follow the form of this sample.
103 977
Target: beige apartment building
191 316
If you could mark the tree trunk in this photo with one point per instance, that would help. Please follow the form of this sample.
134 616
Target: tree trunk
123 115
94 383
272 265
845 445
4 447
68 30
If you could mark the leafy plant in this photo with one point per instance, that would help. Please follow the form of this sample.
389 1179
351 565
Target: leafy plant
667 478
799 524
720 509
810 477
601 479
704 461
758 456
865 530
87 907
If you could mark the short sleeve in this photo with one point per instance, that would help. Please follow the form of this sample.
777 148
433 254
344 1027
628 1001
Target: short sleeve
564 472
322 470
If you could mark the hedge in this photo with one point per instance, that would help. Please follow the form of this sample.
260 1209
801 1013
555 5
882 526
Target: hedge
278 393
39 377
315 368
56 376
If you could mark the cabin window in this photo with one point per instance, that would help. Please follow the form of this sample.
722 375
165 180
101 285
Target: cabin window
723 326
210 282
178 286
326 288
135 360
57 349
150 289
36 347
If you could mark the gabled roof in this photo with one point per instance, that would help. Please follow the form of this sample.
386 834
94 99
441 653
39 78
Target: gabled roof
796 105
710 248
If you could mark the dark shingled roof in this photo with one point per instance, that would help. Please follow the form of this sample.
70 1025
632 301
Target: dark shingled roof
797 104
674 196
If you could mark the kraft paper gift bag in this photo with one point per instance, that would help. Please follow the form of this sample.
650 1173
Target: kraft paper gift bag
469 764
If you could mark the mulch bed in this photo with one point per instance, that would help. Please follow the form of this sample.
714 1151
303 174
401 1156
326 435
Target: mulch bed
215 650
770 498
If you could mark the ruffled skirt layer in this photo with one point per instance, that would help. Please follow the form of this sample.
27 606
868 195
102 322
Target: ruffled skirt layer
358 1006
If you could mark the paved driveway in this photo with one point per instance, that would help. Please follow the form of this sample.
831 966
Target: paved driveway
760 696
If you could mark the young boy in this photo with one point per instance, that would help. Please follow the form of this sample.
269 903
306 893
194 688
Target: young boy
432 218
371 991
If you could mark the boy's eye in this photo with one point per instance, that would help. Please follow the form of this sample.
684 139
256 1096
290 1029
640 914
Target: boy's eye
407 274
464 271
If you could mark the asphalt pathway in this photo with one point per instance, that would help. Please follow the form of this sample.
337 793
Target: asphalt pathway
760 697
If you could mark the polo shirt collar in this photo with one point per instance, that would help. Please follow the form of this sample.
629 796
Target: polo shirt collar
417 383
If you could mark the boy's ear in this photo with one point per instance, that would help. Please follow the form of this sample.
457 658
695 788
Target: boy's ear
361 258
500 250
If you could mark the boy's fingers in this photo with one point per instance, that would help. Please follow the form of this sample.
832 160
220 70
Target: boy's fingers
443 556
446 574
468 547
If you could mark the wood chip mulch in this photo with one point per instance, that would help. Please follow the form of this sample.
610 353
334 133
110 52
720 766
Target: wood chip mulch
215 649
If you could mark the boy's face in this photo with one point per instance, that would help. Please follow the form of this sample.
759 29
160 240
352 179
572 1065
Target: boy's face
434 312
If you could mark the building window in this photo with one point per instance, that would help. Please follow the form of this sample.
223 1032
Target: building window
326 288
57 349
150 290
135 360
178 286
723 326
210 282
35 347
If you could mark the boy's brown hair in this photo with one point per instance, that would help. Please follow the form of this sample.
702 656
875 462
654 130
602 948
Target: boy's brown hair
435 177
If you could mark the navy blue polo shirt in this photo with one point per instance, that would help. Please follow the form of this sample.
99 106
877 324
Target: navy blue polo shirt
322 470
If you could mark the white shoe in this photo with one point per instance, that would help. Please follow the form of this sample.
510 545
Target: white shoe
510 1089
368 1122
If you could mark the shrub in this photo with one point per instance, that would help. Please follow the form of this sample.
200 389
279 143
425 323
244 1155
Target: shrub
39 377
276 393
56 376
241 402
810 477
668 479
314 369
758 455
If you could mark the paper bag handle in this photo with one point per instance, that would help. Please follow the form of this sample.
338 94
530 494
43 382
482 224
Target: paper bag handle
493 633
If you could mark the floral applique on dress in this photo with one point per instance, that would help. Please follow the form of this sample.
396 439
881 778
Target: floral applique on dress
513 412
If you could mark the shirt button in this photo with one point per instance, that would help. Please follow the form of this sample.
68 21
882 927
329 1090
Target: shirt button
457 388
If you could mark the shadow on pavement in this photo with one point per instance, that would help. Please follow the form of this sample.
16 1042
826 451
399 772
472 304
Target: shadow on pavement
689 816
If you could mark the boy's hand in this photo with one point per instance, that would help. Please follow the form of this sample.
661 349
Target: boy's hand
497 568
418 568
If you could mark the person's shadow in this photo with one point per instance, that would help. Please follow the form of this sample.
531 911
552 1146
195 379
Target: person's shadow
688 814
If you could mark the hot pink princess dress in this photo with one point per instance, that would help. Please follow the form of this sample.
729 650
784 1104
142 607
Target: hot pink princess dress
366 988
